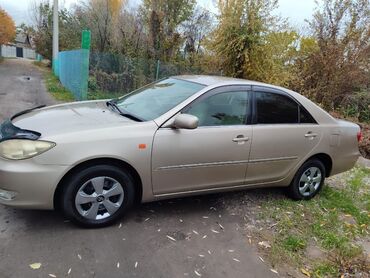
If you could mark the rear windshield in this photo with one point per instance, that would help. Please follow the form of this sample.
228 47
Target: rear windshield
153 100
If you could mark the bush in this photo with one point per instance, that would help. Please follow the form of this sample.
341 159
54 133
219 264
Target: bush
357 105
92 84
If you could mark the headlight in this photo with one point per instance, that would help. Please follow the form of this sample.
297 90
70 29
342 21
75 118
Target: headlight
17 149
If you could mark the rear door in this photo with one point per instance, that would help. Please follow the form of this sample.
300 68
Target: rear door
283 134
213 155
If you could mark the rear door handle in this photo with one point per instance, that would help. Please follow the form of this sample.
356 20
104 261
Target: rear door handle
310 135
240 138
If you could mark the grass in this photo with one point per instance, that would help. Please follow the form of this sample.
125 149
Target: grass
334 222
53 85
60 93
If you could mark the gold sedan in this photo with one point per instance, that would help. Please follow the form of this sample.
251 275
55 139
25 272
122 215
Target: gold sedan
180 136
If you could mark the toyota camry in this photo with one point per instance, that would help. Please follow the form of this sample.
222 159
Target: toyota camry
179 136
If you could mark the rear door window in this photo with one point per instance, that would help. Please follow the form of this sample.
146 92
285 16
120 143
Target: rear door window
275 108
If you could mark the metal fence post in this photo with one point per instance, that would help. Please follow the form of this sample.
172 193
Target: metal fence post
157 70
85 52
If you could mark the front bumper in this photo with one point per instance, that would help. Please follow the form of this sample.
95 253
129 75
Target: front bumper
30 184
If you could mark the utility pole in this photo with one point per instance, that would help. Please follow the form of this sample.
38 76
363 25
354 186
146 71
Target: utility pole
55 38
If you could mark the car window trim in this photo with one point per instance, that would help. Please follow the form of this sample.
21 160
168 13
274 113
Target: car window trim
226 89
263 89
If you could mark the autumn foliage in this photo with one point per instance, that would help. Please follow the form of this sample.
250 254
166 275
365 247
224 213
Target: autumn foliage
7 27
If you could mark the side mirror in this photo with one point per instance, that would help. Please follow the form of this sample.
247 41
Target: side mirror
185 121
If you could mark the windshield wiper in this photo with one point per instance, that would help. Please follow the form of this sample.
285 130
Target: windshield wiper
122 112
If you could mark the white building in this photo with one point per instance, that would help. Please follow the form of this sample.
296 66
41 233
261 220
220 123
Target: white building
21 48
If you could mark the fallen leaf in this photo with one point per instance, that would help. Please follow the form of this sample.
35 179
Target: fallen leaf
35 265
305 272
274 271
264 244
171 238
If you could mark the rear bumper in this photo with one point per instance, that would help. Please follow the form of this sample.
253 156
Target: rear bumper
26 184
344 163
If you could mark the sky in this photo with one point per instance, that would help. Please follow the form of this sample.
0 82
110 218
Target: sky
295 10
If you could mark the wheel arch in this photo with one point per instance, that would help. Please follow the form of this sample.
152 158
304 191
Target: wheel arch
326 160
106 161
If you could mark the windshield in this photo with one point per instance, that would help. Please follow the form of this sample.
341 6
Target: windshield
155 99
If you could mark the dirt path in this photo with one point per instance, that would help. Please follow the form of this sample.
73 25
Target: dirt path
21 87
179 238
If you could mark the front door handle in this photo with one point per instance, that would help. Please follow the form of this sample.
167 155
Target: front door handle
310 135
240 138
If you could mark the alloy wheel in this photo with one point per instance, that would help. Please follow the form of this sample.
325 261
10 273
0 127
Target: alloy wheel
310 181
99 198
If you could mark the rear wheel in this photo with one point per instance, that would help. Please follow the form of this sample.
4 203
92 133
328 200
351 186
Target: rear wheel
308 180
98 195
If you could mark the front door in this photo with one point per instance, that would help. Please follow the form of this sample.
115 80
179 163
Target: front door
211 156
19 51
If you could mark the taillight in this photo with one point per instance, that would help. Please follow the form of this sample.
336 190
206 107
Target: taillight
359 136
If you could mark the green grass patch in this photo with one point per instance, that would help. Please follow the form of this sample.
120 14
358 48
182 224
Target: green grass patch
57 90
325 270
53 85
294 243
333 221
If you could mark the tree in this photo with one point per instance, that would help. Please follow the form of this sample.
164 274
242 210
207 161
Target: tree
69 29
101 18
162 19
338 63
196 29
7 27
242 37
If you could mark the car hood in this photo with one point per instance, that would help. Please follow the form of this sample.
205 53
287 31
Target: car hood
70 117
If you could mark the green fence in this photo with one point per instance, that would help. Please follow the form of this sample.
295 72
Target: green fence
73 71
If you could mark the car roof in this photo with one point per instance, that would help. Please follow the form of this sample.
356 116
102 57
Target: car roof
209 80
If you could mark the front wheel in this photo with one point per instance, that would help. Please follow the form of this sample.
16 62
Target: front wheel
98 195
308 180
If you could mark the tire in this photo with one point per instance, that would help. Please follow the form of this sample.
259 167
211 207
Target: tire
308 180
98 195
